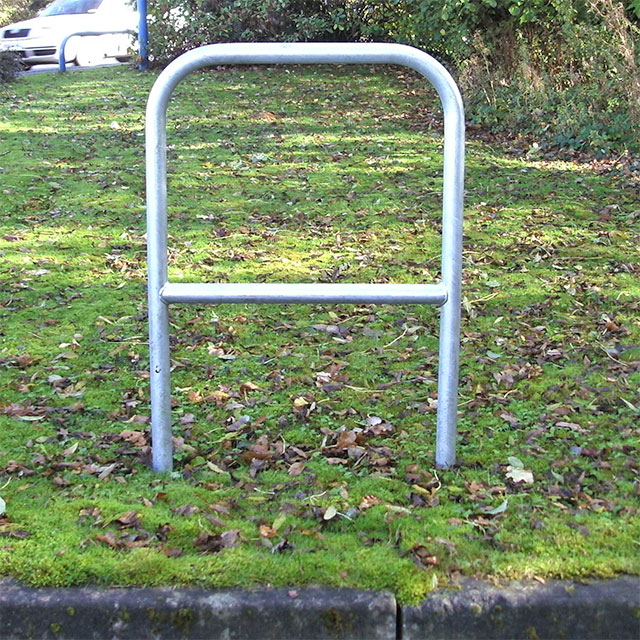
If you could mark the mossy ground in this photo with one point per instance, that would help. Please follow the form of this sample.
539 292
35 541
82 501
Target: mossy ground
305 435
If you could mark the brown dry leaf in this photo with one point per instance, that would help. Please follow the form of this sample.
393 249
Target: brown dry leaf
128 519
369 501
423 557
24 360
91 512
450 546
282 546
109 539
217 397
136 438
18 534
219 508
216 542
258 451
163 531
267 532
216 522
268 116
296 469
571 425
105 472
376 426
187 419
186 510
171 552
507 416
346 439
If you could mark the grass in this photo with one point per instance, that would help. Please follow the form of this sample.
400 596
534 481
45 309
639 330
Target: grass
305 435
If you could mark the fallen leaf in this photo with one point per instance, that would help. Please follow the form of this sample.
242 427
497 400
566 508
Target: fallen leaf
71 450
423 557
330 513
498 510
369 501
267 532
128 519
519 475
186 510
248 386
214 543
108 539
214 467
283 545
296 469
515 462
217 397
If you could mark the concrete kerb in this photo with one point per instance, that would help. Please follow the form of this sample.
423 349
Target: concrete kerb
598 611
141 613
531 611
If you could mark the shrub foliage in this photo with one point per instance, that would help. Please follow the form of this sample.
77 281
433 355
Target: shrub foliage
10 65
563 72
14 10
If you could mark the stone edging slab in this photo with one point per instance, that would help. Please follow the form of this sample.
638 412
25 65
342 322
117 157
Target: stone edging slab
606 609
597 611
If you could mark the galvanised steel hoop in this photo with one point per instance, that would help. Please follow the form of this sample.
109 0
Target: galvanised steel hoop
445 294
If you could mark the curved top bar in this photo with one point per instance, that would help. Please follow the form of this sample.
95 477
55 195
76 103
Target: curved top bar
305 53
308 53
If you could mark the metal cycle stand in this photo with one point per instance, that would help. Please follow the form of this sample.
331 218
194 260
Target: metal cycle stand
62 62
445 294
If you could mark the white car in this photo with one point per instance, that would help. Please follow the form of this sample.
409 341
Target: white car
37 41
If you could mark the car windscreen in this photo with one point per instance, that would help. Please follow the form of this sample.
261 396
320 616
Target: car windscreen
68 7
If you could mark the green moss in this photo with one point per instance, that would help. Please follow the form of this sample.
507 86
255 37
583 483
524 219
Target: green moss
347 189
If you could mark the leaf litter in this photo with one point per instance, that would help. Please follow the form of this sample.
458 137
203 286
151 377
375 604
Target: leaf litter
307 434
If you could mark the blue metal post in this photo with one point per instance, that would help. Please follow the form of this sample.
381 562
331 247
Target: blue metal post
143 35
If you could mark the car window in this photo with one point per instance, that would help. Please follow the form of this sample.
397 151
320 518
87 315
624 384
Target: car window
67 7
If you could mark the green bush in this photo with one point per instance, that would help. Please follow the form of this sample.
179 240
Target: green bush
569 80
179 25
10 66
14 10
564 72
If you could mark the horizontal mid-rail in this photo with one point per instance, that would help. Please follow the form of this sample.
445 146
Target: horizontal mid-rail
314 293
